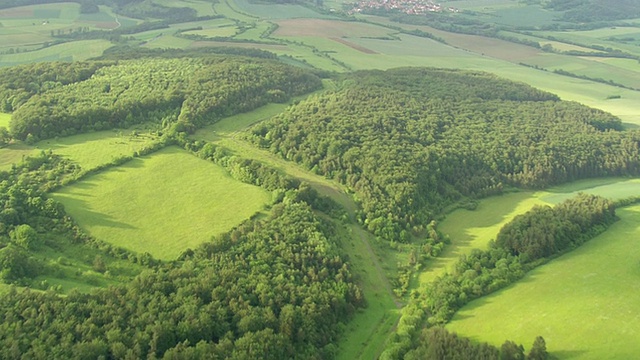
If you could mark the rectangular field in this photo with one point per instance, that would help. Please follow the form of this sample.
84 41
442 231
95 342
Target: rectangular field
584 303
98 148
162 204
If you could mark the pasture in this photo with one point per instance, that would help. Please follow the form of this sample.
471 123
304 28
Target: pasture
274 11
98 148
71 51
583 303
162 204
5 119
469 230
14 153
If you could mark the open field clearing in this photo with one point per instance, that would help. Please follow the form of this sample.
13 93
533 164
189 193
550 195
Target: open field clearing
275 11
329 28
162 204
583 303
5 119
224 31
365 335
469 230
14 153
72 51
168 42
98 148
580 38
229 9
589 68
203 8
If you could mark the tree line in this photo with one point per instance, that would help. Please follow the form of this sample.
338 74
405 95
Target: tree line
104 95
522 244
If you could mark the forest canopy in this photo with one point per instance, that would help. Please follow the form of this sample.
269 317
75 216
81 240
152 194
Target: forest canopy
409 142
64 99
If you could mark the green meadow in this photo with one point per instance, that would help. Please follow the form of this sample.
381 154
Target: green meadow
470 230
71 51
5 119
162 204
13 153
583 303
98 148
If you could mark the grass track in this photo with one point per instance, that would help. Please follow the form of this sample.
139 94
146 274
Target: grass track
366 334
584 303
135 207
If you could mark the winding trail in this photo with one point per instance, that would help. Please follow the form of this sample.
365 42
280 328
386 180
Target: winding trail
366 334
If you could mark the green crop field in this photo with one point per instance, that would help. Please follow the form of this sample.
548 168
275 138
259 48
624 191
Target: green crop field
583 303
162 204
469 230
98 148
72 51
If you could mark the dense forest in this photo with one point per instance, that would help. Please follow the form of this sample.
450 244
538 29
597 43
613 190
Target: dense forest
87 96
270 289
410 142
595 10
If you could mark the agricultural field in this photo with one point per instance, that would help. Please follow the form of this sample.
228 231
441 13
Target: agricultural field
95 149
275 11
469 230
5 119
583 303
71 51
163 203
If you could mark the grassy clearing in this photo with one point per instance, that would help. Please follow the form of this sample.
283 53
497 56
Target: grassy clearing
161 204
5 119
366 334
71 51
499 60
470 230
203 8
584 303
275 11
94 149
13 154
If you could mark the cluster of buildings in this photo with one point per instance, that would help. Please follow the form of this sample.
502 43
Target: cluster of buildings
411 7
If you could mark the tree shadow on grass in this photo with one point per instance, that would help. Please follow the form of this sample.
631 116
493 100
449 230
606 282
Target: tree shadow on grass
79 209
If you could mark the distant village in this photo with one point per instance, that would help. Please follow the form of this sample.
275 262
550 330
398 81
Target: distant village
411 7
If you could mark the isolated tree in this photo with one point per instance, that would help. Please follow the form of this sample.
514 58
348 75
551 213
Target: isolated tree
538 350
25 236
511 351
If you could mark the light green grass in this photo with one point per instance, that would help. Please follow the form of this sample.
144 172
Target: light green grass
13 154
203 8
169 41
161 204
94 149
5 119
366 334
226 31
470 230
276 11
584 303
72 51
